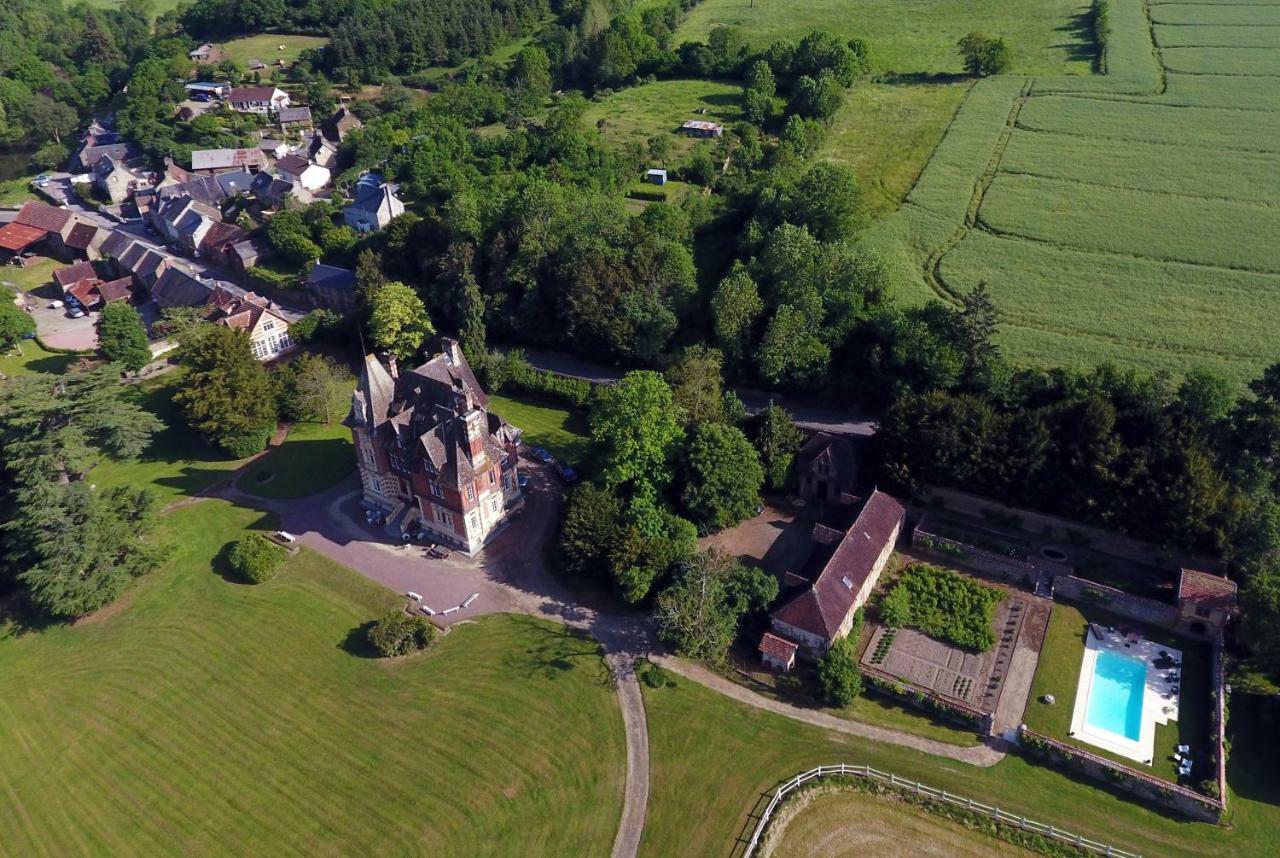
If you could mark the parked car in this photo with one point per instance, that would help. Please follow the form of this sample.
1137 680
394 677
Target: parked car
42 180
75 313
522 481
201 96
543 456
567 473
55 305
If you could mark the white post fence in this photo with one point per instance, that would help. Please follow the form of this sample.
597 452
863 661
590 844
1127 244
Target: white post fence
1003 817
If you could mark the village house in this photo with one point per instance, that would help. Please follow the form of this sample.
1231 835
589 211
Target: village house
248 252
431 455
244 311
331 287
38 222
375 204
1205 601
302 173
86 239
178 287
295 120
340 124
98 143
127 256
207 162
826 469
323 151
218 243
848 566
258 99
272 148
269 191
200 54
116 181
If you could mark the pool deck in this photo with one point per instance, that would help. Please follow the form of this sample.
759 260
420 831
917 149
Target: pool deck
1159 701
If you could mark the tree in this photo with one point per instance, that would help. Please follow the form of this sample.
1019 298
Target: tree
290 235
697 383
309 387
1260 617
699 614
975 330
369 276
838 673
255 558
590 530
735 306
226 395
791 352
778 439
722 476
983 55
653 540
122 337
399 634
757 92
817 97
15 325
635 425
398 321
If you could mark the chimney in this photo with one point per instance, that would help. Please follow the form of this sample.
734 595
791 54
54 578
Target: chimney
475 437
452 350
391 366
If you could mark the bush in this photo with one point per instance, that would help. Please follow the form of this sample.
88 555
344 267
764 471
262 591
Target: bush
247 443
512 371
399 634
943 604
838 673
256 559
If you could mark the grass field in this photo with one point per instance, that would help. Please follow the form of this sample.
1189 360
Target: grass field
916 35
635 114
314 456
558 429
1058 673
848 824
158 7
265 47
204 716
1127 218
713 760
28 357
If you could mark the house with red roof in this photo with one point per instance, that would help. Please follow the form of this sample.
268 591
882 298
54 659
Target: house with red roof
1205 601
38 222
268 330
843 571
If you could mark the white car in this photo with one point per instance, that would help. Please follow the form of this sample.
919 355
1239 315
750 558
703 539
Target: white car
55 305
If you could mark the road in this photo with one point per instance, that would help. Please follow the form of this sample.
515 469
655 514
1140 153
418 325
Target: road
807 415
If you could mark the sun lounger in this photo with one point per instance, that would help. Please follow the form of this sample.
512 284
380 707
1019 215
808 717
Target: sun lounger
1183 749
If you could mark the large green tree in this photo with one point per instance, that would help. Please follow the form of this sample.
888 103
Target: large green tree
722 476
14 323
635 426
122 336
699 614
226 395
398 320
697 384
777 438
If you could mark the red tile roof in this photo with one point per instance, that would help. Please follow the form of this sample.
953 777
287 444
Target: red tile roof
74 274
824 607
86 292
1206 589
117 290
81 235
42 216
16 237
220 234
782 648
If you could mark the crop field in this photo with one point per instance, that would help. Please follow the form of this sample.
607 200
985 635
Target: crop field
1128 217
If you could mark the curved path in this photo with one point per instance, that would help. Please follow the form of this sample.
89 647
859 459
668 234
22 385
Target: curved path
636 797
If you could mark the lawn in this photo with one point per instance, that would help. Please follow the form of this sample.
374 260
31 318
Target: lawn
714 760
1058 673
265 47
914 36
30 277
635 114
177 463
843 823
205 716
158 7
28 357
1125 218
16 191
558 429
314 456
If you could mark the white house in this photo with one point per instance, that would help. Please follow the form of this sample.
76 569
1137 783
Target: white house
375 204
302 173
258 99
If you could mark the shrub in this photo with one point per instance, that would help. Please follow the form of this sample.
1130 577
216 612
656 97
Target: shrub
512 371
256 559
399 634
246 443
838 673
943 604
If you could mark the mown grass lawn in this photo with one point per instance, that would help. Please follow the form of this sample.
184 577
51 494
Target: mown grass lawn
314 456
265 47
1058 673
204 716
560 430
17 191
712 759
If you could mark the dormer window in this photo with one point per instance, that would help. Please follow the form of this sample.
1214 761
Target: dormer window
268 325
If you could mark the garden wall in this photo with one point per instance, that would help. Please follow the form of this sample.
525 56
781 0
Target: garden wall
946 708
1180 799
1008 568
1119 602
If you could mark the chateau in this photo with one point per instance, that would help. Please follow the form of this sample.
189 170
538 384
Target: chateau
431 455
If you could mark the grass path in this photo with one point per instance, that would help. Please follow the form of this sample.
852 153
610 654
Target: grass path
201 713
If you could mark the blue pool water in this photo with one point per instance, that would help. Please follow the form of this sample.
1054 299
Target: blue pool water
1115 702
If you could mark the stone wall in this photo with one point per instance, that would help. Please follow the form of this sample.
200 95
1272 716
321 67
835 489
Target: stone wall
1119 602
947 708
1177 798
1007 568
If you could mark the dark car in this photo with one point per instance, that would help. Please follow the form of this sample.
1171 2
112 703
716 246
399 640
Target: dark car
542 455
567 473
522 481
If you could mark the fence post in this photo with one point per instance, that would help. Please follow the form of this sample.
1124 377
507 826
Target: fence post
893 780
969 806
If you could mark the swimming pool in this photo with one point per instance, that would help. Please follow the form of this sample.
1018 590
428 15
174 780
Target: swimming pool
1116 695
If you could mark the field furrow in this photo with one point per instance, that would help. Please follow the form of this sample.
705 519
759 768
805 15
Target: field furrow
1258 62
1218 13
1212 36
1135 223
1186 170
1255 131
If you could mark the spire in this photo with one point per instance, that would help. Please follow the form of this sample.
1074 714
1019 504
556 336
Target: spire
378 389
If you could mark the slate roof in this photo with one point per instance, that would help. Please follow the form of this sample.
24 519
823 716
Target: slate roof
235 182
828 456
1206 590
252 93
822 608
97 146
292 164
343 122
290 115
179 288
331 277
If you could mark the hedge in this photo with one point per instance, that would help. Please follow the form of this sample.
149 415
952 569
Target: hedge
511 371
256 559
